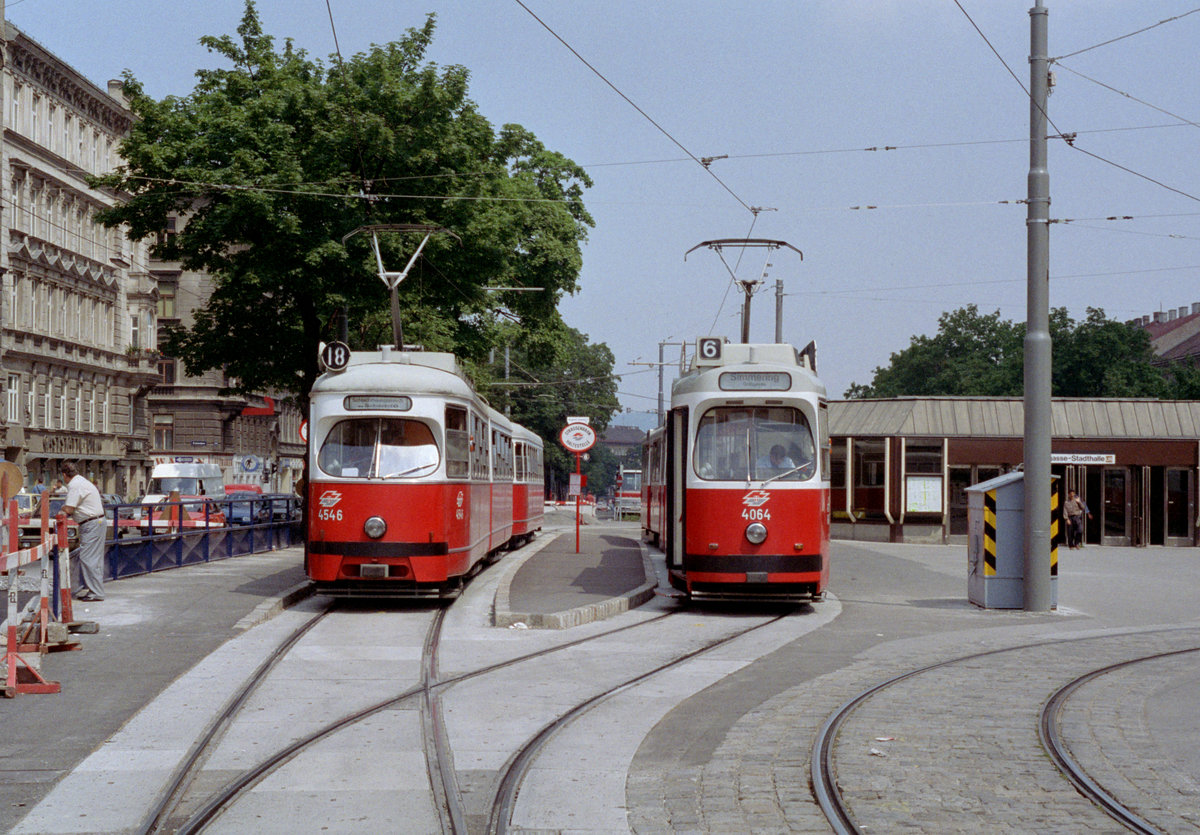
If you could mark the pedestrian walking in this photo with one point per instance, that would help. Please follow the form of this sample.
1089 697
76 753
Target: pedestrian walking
85 506
1074 509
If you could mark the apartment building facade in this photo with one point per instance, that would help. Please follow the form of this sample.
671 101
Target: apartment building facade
80 306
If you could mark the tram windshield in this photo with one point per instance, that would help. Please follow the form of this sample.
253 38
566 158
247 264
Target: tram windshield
379 448
754 443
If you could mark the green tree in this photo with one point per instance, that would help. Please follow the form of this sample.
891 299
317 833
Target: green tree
973 355
555 374
274 160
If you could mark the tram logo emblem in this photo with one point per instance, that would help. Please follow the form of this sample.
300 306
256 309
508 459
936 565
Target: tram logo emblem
329 498
756 498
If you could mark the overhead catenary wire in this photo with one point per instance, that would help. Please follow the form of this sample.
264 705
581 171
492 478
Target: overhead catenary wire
1067 137
644 114
1129 96
1123 37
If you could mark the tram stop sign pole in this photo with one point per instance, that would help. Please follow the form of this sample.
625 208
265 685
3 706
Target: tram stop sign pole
577 438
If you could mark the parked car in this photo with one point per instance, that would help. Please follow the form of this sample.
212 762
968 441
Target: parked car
278 507
29 517
242 507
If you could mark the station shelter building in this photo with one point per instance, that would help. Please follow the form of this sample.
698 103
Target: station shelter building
901 466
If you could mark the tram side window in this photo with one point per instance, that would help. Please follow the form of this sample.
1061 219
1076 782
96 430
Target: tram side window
502 465
458 443
480 449
521 472
755 443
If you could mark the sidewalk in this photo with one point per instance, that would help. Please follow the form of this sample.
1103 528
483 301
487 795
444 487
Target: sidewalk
152 629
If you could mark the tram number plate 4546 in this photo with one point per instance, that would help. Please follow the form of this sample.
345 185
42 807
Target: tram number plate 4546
329 514
756 514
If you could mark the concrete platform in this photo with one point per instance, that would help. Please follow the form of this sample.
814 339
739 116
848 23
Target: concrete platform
555 587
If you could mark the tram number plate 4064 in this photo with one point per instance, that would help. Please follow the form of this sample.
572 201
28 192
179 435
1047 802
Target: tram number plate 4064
756 514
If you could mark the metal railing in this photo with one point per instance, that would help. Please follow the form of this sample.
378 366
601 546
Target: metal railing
146 538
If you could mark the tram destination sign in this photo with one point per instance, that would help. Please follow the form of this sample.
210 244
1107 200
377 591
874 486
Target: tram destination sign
755 381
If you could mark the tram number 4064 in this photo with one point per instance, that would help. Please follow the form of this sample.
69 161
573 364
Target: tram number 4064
756 513
329 514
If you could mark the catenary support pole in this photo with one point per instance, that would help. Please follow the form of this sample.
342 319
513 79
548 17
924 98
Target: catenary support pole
1038 586
778 311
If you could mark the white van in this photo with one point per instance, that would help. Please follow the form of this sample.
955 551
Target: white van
191 479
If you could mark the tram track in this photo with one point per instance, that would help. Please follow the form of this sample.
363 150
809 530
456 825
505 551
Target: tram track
156 819
439 756
513 774
427 694
1050 731
829 788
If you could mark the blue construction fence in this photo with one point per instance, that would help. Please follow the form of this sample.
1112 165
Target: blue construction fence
146 538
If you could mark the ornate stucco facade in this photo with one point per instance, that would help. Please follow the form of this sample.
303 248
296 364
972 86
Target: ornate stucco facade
77 325
80 306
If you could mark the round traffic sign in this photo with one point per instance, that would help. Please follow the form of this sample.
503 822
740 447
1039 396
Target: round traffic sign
578 437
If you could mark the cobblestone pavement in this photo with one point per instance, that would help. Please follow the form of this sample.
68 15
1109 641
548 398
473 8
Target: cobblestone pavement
954 749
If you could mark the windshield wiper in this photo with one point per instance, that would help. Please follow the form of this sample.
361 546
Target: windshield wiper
788 473
409 471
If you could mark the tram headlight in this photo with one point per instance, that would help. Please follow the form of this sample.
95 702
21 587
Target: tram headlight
756 532
375 527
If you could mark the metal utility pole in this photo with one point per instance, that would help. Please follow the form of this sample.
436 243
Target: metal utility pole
1038 586
661 365
747 285
779 311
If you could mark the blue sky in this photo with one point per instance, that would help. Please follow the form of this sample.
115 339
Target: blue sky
794 93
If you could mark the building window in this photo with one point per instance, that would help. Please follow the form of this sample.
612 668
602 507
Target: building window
79 408
868 463
104 412
166 370
14 398
166 301
164 431
62 408
47 406
30 406
923 457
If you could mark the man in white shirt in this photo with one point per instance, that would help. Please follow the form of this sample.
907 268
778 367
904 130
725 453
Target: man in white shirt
84 505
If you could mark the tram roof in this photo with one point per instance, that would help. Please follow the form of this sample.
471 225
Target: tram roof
431 369
751 357
1000 417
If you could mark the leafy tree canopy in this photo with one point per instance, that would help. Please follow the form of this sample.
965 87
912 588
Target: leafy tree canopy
982 355
273 161
548 379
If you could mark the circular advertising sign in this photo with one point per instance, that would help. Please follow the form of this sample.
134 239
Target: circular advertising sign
578 437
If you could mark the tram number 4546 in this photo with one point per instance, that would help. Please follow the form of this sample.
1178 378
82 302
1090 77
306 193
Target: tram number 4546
756 513
329 514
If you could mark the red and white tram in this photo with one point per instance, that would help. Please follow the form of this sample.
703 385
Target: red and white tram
737 481
414 481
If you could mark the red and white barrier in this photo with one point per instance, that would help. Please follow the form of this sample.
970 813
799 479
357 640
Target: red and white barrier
22 677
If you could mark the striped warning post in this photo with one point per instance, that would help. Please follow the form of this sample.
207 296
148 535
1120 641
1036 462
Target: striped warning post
1055 527
989 533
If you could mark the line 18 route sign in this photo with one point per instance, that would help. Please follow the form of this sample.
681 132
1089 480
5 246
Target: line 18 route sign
578 437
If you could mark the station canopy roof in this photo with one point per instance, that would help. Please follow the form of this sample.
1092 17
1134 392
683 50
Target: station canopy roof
1003 417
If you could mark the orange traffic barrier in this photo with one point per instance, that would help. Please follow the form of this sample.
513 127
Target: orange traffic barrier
22 677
